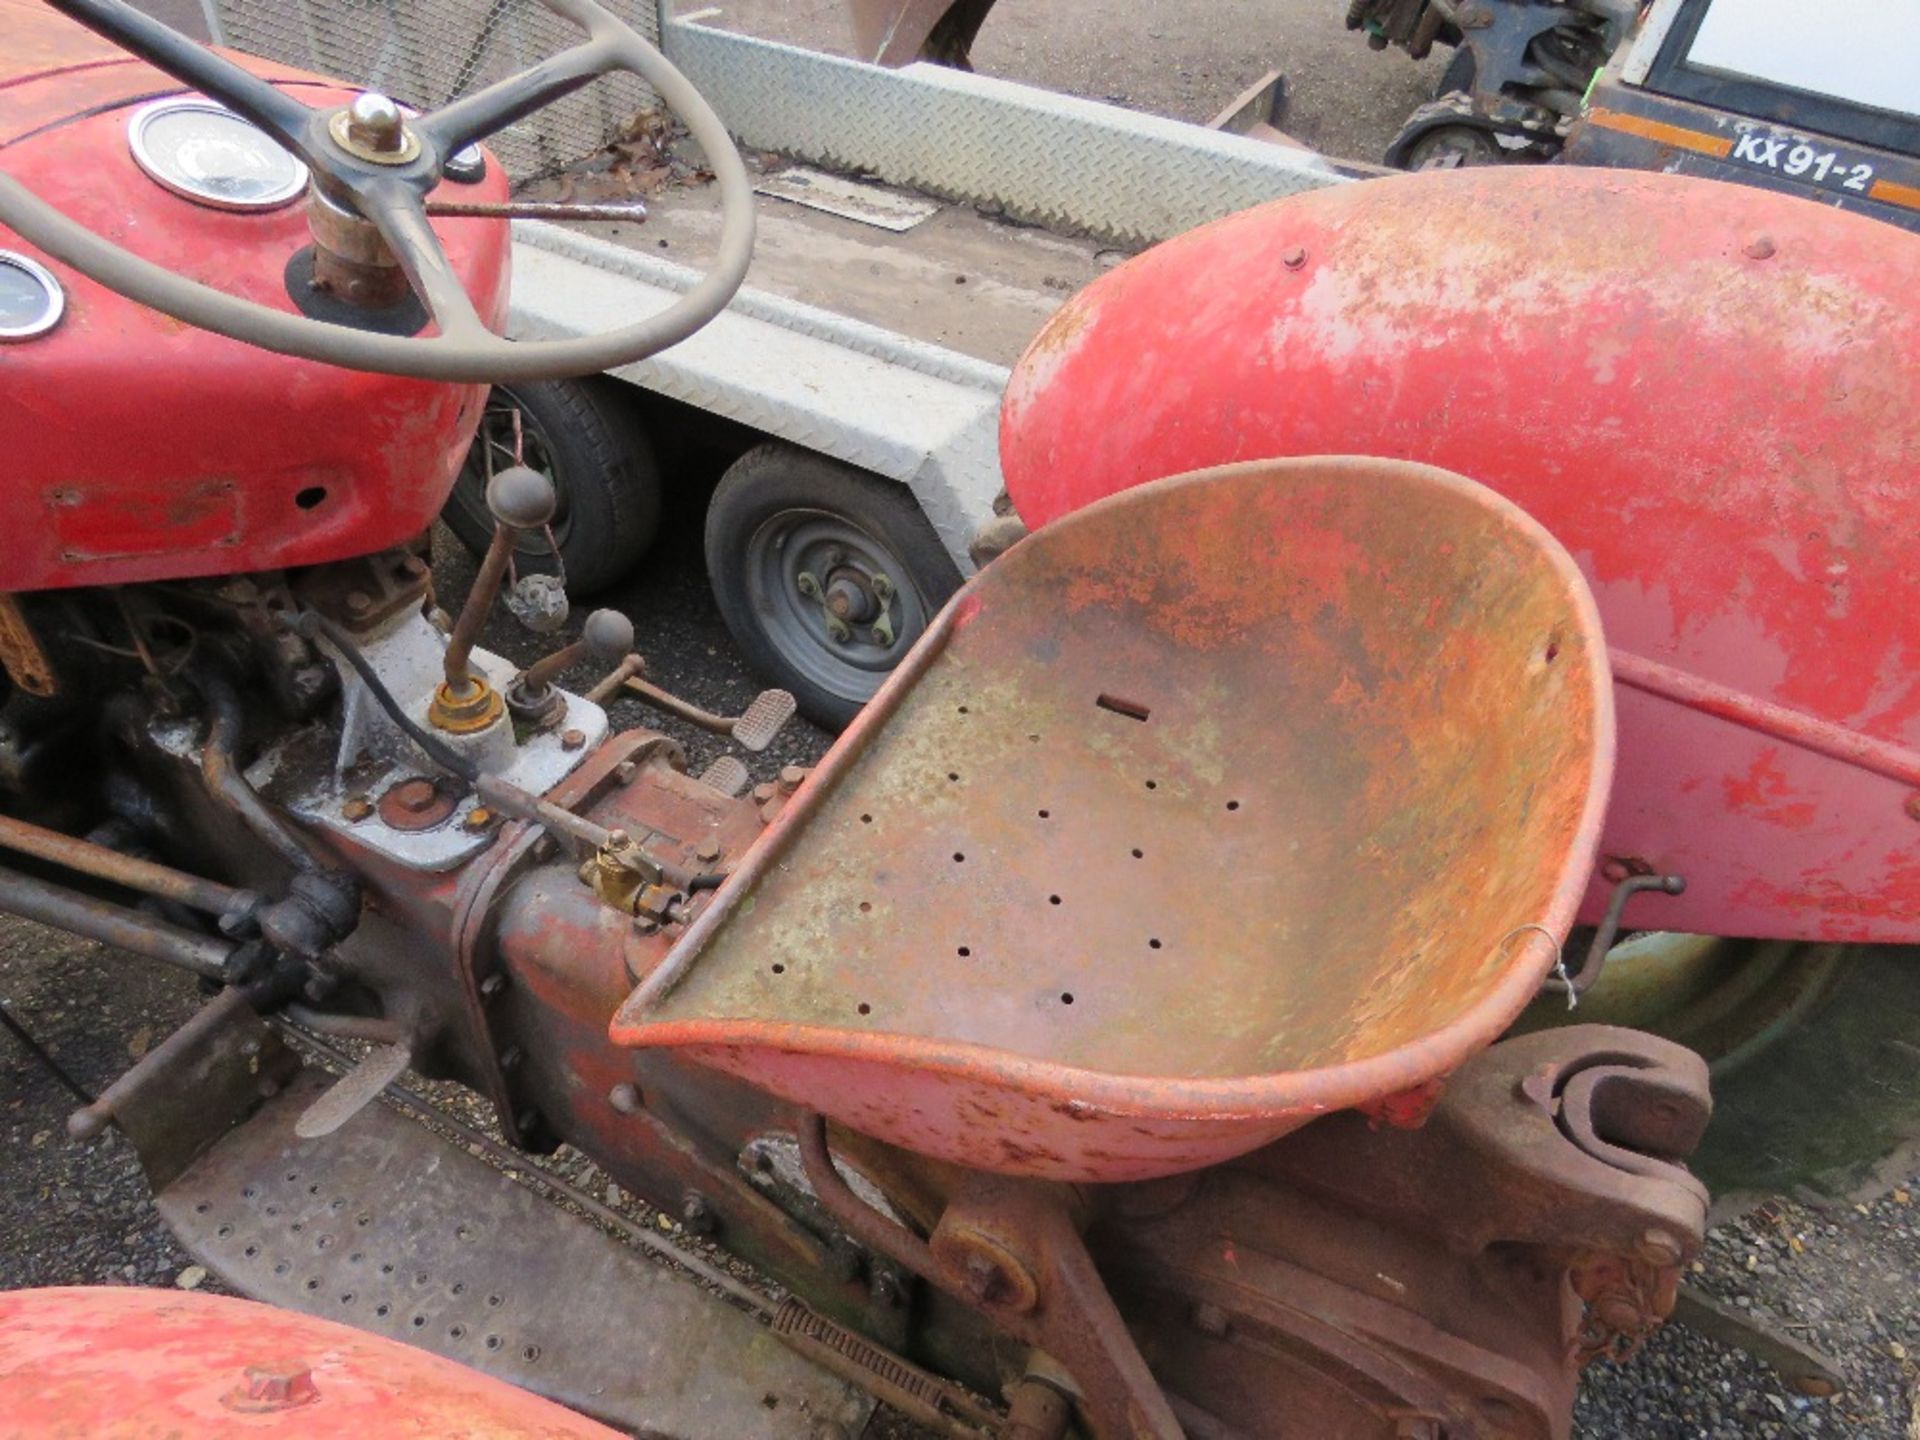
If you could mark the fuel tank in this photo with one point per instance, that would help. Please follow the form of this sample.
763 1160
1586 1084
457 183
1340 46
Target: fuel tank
1710 394
142 449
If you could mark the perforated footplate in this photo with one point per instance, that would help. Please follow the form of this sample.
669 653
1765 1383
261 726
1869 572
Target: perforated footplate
764 719
389 1228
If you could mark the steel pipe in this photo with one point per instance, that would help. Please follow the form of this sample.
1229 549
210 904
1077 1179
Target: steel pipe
114 925
222 773
85 856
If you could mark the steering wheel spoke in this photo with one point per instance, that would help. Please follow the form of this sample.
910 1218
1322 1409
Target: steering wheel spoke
241 91
474 117
400 214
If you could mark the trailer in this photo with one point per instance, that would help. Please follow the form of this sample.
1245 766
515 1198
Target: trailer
917 226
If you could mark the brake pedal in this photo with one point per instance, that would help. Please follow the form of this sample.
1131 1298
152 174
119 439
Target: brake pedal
765 718
353 1091
728 776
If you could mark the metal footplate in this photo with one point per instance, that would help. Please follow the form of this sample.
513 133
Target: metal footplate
387 1227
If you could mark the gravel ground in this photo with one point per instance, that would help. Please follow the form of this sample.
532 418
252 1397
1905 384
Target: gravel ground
1844 1278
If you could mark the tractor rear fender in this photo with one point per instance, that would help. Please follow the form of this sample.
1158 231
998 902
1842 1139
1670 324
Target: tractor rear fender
1710 394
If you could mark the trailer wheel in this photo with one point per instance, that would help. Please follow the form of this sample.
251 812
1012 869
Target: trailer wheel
583 436
825 575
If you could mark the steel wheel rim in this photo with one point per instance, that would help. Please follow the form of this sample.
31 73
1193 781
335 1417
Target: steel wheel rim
492 450
792 542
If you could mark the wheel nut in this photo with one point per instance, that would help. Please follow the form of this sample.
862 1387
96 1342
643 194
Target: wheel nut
415 796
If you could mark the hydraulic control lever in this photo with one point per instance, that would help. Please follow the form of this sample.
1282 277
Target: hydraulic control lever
521 499
533 698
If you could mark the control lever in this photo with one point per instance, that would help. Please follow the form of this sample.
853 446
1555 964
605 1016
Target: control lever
753 729
521 499
533 698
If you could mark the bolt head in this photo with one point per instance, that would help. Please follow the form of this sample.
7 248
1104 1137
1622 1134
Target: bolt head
1659 1248
266 1388
376 122
707 851
478 818
357 809
1913 806
572 739
625 1098
1760 247
415 796
1294 256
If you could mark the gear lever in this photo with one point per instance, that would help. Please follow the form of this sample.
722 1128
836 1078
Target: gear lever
521 499
532 697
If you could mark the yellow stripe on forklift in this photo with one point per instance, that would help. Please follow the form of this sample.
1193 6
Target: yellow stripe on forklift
1895 194
1662 133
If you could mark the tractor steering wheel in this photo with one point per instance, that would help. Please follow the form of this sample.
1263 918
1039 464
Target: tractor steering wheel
385 178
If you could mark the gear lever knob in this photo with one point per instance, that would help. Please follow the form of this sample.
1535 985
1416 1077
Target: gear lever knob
607 637
521 498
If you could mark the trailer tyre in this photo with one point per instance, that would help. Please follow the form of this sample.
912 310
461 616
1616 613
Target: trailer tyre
826 575
585 437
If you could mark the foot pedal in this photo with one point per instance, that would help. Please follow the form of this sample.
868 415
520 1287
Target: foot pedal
385 1226
353 1091
728 776
765 718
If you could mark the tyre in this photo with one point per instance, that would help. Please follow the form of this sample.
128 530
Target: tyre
826 575
584 436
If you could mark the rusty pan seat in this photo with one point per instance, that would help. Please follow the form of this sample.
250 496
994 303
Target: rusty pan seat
1223 803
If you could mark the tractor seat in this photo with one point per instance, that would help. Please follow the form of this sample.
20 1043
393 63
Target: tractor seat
1223 803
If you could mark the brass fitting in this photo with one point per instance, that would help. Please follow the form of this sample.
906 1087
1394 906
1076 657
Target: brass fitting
466 710
620 873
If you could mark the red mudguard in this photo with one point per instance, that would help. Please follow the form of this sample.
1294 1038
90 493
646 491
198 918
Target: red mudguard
150 1363
1710 394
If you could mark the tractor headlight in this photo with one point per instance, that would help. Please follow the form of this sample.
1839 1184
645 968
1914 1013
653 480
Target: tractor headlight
203 151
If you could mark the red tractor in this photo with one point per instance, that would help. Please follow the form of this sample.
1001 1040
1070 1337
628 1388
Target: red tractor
1110 1036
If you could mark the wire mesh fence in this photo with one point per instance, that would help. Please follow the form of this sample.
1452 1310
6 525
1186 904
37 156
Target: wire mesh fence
426 52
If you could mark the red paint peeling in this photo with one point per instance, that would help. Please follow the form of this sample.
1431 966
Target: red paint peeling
1732 470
